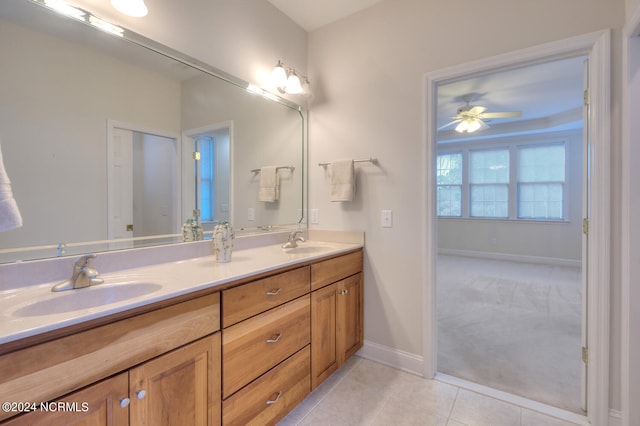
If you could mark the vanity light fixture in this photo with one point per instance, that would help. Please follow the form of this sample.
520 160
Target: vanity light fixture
66 9
106 26
135 8
288 80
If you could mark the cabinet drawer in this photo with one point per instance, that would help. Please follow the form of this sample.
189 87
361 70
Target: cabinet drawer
247 300
48 370
272 396
254 346
332 270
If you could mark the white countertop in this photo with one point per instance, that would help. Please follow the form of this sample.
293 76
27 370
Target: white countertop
32 310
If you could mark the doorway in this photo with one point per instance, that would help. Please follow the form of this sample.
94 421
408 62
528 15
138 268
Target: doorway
596 48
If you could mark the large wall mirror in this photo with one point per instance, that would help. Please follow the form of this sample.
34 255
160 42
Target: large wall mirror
114 142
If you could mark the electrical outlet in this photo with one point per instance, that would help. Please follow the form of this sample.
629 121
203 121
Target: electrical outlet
251 214
315 216
386 219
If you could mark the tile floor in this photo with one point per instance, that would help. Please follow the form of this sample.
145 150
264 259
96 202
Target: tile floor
364 392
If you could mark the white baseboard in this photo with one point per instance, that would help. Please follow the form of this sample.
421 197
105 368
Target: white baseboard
512 257
395 358
412 363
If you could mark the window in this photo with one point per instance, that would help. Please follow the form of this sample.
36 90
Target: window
489 183
514 180
541 176
206 178
449 185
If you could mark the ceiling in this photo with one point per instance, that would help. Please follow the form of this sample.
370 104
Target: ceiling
313 14
549 95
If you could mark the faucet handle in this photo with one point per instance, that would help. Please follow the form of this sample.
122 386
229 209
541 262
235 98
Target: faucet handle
84 260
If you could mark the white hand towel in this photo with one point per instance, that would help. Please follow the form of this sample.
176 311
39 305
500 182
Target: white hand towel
10 217
343 182
269 190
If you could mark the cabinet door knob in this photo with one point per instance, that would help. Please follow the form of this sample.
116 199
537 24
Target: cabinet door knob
274 292
343 292
141 394
273 401
124 402
274 338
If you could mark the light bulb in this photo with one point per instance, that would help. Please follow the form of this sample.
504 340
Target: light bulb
279 76
294 86
462 126
135 8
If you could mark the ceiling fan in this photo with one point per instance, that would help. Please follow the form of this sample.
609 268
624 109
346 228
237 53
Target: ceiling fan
470 118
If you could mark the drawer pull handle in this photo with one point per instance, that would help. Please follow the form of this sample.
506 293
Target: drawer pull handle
274 292
141 394
274 338
124 402
273 401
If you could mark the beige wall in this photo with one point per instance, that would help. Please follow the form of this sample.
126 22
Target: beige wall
367 72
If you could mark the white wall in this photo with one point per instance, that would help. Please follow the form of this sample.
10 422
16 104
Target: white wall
367 72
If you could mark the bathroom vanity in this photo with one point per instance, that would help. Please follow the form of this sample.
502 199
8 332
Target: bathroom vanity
243 348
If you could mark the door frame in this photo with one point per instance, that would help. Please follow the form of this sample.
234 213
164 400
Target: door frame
597 46
630 250
111 125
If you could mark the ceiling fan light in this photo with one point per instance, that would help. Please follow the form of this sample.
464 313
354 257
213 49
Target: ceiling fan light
135 8
473 125
462 127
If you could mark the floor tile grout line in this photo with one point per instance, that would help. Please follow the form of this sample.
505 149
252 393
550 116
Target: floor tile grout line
453 404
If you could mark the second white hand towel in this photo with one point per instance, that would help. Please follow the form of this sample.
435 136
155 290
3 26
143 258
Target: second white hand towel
10 217
269 191
343 182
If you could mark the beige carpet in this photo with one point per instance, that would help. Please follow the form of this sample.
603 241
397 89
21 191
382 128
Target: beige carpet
515 327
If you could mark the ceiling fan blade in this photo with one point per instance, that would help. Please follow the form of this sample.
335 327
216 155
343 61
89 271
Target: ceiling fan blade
449 124
477 110
500 114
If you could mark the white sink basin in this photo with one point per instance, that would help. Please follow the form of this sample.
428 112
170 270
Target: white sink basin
301 249
86 298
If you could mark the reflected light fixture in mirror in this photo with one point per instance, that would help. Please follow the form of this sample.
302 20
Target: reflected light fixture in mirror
288 80
135 8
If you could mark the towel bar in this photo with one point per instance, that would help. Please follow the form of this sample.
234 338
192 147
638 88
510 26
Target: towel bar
368 160
291 168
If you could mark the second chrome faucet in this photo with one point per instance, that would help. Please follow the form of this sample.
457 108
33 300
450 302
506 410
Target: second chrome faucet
83 275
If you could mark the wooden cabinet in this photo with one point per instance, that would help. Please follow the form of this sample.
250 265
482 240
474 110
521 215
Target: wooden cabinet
96 405
337 313
169 353
265 348
178 388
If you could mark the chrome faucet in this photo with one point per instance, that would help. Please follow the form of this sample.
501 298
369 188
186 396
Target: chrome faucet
83 275
292 242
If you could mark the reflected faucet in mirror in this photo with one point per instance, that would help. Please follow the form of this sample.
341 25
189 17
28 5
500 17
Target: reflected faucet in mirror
82 276
292 242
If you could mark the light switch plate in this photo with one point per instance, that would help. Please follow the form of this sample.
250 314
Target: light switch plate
386 219
251 213
315 216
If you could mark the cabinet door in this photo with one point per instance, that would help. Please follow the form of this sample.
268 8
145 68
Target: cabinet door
324 354
96 405
179 388
349 317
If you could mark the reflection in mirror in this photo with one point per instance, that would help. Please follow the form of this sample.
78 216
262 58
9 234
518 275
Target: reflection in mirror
71 95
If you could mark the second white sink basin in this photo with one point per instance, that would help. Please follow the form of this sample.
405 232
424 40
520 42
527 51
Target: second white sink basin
86 298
